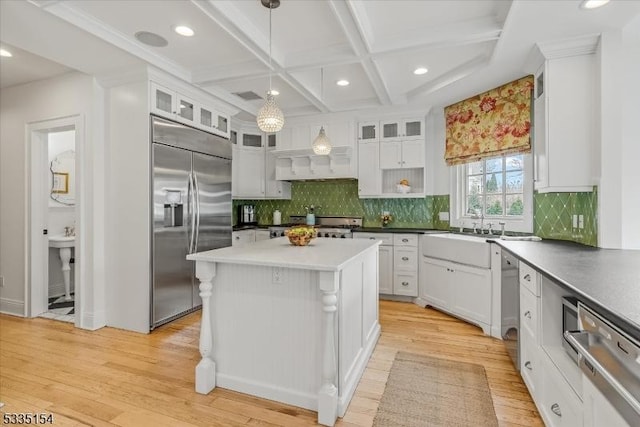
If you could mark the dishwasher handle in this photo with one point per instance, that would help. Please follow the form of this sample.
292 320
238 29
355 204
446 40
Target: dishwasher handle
595 365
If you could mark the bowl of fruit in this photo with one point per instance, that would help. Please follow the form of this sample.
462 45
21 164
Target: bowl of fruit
301 235
403 186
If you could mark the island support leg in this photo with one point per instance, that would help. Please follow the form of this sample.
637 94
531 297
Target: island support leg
206 368
328 395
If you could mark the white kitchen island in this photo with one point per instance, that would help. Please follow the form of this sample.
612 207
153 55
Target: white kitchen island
287 323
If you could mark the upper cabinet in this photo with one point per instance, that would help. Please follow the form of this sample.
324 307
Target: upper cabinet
564 124
173 105
368 132
402 130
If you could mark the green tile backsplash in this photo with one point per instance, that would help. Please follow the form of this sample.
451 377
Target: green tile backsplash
553 216
552 211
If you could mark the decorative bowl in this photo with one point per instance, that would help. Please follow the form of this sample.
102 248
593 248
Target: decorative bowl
403 189
300 236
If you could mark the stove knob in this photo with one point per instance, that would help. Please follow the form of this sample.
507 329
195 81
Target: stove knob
282 234
334 236
272 234
343 236
326 234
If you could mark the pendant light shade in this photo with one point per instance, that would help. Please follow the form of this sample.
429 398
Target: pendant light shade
270 117
321 145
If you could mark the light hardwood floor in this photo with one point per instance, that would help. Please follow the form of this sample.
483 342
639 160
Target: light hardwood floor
113 377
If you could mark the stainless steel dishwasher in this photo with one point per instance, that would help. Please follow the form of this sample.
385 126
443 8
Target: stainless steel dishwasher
510 306
610 360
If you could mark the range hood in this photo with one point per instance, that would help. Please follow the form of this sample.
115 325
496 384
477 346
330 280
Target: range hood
304 164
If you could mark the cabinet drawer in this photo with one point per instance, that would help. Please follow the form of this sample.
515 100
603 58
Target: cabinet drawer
529 313
559 405
405 258
530 364
405 284
529 278
387 238
405 240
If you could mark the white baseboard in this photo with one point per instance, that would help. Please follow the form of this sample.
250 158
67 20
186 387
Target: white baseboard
93 321
12 307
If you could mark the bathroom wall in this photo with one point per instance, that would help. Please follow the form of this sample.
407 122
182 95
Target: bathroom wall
60 215
552 211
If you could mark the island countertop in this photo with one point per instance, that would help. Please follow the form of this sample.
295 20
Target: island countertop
608 279
320 254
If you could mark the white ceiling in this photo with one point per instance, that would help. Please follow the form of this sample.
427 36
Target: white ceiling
468 46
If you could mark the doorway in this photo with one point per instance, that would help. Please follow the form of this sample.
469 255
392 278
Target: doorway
55 228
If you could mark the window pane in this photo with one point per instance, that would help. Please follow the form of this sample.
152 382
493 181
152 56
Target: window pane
514 182
515 162
494 183
494 165
475 184
515 206
474 168
494 205
474 204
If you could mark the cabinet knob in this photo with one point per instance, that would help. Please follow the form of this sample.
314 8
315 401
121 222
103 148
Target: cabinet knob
405 258
405 240
527 277
527 314
372 238
405 283
237 237
555 408
527 365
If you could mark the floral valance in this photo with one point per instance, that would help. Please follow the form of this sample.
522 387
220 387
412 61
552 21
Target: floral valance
493 123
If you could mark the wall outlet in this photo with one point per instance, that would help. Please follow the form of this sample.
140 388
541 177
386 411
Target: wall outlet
581 221
277 275
575 221
1 281
443 216
385 212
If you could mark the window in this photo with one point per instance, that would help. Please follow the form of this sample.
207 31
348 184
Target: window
499 188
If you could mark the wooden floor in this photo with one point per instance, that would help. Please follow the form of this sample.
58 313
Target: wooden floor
113 377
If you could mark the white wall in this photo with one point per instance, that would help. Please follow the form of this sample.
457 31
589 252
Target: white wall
437 170
68 95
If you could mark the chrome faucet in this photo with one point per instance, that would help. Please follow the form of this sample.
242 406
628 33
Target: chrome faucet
481 218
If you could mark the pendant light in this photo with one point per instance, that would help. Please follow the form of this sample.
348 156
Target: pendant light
270 118
321 145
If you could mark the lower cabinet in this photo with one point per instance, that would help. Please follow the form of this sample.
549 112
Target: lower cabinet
458 289
243 237
385 269
557 402
597 410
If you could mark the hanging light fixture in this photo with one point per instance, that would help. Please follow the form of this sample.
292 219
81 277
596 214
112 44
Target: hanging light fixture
321 145
270 118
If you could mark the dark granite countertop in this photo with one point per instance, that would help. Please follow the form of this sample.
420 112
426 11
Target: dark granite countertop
398 230
606 279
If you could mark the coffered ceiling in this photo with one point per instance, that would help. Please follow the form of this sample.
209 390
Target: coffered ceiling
467 46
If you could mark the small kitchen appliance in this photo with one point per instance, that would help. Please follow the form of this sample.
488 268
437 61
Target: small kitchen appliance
247 215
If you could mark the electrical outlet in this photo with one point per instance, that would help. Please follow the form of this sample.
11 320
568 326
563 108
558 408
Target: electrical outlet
1 281
575 221
385 212
443 216
581 221
277 275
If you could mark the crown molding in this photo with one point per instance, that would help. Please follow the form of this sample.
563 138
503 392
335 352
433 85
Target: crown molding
575 46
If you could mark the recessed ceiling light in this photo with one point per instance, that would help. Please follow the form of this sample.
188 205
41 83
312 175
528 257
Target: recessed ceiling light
592 4
274 92
420 71
151 39
6 53
184 31
342 82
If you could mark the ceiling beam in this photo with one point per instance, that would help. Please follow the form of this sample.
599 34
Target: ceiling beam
349 21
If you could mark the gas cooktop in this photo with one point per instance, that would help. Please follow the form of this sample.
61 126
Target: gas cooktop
327 226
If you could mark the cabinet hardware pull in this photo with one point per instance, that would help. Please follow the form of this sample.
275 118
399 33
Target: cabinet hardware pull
555 408
404 258
527 314
527 277
528 365
372 238
237 237
405 240
405 283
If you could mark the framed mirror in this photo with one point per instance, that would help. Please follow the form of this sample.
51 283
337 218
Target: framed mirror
62 178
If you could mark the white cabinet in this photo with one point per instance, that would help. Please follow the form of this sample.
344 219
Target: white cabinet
564 124
398 264
402 154
262 234
174 105
558 404
248 171
597 410
457 288
369 178
368 132
274 189
402 129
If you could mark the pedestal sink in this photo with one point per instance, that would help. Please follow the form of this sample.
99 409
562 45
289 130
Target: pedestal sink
64 243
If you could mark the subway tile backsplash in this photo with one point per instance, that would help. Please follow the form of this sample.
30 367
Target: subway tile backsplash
553 212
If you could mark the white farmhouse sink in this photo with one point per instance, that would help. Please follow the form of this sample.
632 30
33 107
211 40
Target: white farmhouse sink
62 241
465 249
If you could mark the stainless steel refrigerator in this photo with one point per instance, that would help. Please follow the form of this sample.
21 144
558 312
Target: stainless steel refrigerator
191 182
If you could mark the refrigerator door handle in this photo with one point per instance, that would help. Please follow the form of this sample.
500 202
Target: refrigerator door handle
192 213
196 226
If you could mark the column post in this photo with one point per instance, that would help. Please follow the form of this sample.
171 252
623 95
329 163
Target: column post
206 368
328 394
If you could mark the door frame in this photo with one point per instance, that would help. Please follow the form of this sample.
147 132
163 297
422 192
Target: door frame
37 246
